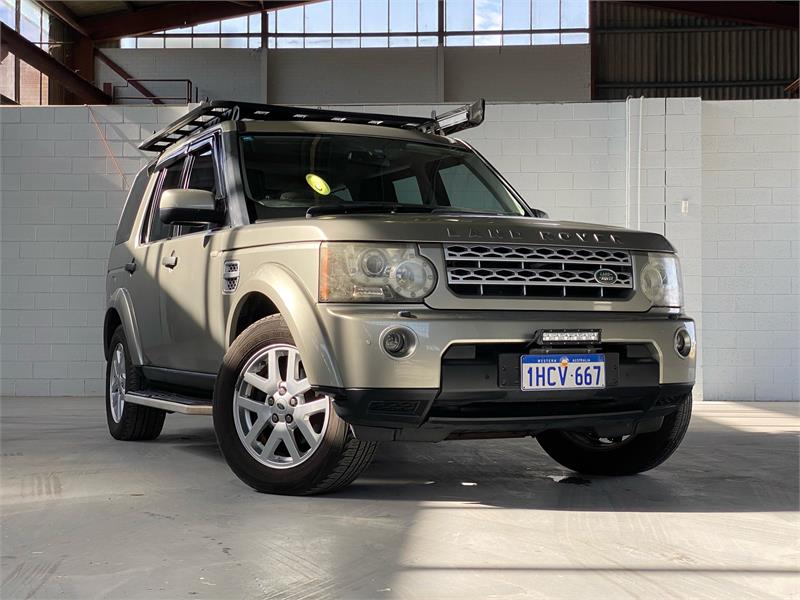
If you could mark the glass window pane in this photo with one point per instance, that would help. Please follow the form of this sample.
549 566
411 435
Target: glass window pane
488 15
517 39
517 14
180 30
488 40
207 28
7 76
458 15
458 40
318 17
254 42
8 13
290 42
209 42
290 20
427 40
346 16
402 41
235 25
271 22
374 42
151 42
345 42
318 42
428 15
30 84
545 39
574 38
545 14
178 42
574 14
375 16
235 42
271 42
127 43
402 16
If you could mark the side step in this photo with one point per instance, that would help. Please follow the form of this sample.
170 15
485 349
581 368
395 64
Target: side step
187 405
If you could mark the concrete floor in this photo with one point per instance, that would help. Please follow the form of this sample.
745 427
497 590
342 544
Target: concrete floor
84 516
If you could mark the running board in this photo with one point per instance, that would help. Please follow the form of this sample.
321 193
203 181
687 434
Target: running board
186 405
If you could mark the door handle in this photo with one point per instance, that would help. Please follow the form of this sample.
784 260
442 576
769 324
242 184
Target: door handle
131 266
170 261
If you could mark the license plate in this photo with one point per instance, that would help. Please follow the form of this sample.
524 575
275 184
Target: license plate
563 371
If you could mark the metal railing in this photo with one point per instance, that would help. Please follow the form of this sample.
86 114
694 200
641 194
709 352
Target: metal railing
184 97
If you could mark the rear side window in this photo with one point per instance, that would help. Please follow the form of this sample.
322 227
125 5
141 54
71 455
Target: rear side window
131 207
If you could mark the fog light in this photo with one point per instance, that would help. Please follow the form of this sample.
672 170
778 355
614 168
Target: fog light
398 342
683 343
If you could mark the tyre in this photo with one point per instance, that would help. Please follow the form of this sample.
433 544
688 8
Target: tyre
628 455
278 435
126 421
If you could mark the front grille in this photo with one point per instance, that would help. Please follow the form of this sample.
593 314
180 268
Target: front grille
491 270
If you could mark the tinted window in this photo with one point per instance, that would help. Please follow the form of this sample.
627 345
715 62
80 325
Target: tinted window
171 179
202 174
131 207
285 175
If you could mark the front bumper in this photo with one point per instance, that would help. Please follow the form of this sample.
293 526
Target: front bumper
440 392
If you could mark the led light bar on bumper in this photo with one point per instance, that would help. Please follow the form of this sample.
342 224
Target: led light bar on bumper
661 280
564 336
362 272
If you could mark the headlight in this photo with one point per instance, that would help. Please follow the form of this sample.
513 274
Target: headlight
661 280
353 272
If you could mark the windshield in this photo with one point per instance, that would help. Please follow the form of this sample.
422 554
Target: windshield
286 175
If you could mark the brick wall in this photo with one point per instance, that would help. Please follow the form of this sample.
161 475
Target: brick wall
751 249
732 212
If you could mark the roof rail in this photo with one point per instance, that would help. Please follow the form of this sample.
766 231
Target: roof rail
212 112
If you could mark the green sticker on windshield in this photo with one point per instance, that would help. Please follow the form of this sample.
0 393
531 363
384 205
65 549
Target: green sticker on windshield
318 184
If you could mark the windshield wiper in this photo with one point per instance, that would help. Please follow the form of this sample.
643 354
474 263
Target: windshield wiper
367 207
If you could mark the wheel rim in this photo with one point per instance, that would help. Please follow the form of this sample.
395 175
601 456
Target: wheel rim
280 420
116 383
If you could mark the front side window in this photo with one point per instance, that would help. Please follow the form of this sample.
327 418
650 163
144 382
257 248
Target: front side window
288 174
171 179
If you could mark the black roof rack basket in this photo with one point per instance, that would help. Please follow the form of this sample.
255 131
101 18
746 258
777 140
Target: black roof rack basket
212 112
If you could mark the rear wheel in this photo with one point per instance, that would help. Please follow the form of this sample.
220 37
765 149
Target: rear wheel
278 434
126 421
624 455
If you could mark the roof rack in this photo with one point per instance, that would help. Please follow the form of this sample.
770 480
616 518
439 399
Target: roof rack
212 112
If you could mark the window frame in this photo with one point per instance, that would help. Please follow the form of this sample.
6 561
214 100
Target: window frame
187 154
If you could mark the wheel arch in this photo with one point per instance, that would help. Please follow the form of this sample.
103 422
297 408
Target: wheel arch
120 312
274 290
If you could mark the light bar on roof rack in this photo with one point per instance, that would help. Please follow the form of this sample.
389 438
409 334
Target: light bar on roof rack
212 112
459 119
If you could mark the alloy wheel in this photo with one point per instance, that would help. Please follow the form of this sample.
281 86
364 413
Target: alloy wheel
280 420
116 383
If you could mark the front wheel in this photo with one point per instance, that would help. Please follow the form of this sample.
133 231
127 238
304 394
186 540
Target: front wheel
624 455
277 434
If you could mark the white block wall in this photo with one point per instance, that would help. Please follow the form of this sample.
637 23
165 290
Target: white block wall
61 197
751 249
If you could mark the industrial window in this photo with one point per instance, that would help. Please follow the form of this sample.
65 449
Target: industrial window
389 23
21 83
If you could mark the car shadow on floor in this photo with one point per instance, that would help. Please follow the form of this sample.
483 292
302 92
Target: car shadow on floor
716 469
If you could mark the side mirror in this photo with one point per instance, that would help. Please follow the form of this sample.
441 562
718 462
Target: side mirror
188 207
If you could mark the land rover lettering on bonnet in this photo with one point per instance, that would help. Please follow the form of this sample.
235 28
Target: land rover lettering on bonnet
321 281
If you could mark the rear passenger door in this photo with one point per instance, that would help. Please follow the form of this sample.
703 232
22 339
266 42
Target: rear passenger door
190 287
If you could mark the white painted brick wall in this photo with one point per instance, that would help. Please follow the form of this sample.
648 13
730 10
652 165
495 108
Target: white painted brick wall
727 201
60 199
751 249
